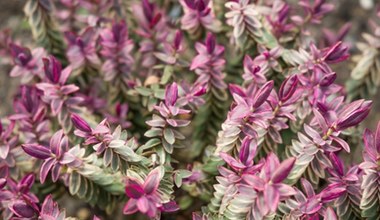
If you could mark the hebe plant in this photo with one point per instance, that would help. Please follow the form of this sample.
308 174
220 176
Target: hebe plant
188 109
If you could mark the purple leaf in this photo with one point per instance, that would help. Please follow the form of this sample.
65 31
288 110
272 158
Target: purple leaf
288 87
171 94
353 114
312 206
53 69
45 168
21 209
255 181
49 207
56 171
247 151
307 187
80 123
328 79
134 189
272 197
263 94
143 205
130 207
210 43
231 161
152 181
170 206
341 143
337 163
37 151
178 39
283 170
55 142
336 53
331 192
369 143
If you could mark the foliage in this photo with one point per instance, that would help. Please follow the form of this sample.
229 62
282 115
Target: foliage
118 107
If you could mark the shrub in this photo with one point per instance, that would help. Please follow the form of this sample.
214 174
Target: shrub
191 108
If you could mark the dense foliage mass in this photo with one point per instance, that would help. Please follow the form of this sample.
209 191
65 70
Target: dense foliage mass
188 109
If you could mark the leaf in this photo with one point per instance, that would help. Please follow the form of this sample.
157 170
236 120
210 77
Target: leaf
177 180
185 173
75 182
212 164
168 147
143 91
159 93
165 58
161 154
115 163
169 135
83 188
154 132
149 144
168 72
107 157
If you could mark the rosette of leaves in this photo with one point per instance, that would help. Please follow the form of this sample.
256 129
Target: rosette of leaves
308 155
310 150
115 149
166 185
248 117
283 105
246 20
164 132
365 77
226 188
253 191
121 151
42 24
85 176
311 205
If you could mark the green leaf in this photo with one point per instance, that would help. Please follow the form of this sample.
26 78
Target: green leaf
168 147
149 144
90 194
177 180
168 72
159 93
115 163
169 135
143 91
107 158
212 164
161 154
83 188
75 182
151 102
185 173
154 132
